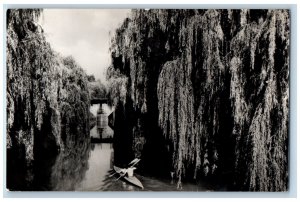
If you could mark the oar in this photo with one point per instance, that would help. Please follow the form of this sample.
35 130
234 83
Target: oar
133 162
136 161
112 174
120 176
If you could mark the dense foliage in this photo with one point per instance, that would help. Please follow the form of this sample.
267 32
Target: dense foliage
208 90
97 89
47 97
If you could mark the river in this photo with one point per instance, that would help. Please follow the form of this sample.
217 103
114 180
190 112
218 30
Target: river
96 175
89 168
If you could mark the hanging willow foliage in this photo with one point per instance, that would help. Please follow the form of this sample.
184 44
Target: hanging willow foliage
262 111
29 63
47 95
215 84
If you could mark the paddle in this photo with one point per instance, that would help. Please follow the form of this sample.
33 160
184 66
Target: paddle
120 176
132 163
112 174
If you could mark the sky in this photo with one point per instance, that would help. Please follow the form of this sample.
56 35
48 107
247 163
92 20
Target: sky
84 34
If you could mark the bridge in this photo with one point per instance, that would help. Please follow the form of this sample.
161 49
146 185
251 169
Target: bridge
98 101
102 120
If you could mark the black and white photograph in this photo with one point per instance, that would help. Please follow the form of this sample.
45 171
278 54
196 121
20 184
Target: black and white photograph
159 100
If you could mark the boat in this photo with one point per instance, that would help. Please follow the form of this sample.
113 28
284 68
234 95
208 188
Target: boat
123 172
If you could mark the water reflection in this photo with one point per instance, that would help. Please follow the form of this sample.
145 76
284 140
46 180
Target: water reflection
98 175
100 162
89 168
101 130
69 168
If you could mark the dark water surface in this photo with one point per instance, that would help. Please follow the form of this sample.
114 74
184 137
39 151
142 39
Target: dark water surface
86 166
94 175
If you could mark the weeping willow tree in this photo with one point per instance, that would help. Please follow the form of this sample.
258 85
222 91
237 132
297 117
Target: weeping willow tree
208 89
30 63
47 95
260 91
74 104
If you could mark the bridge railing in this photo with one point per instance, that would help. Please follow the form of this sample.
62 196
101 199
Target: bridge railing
98 101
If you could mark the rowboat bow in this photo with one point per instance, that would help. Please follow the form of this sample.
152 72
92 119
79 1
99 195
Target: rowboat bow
123 172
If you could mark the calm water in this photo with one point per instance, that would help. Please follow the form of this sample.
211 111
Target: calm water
88 167
107 131
94 175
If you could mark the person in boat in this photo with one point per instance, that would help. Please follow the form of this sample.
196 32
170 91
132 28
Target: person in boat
128 171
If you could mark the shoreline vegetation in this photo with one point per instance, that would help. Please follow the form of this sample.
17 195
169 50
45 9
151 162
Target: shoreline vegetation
47 99
202 95
205 93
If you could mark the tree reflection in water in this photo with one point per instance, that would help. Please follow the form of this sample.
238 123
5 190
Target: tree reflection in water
69 168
